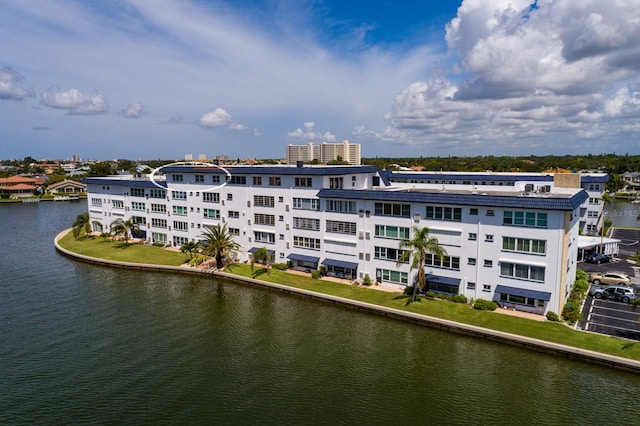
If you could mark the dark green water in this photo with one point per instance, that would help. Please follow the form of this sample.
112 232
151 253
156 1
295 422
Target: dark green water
95 345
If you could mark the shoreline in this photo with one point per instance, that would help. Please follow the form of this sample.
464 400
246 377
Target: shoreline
537 345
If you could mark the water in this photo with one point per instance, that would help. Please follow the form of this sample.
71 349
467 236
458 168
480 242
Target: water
82 343
623 213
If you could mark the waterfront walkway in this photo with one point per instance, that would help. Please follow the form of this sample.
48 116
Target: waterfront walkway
424 320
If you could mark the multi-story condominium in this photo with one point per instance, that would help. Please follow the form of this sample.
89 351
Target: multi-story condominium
324 152
507 240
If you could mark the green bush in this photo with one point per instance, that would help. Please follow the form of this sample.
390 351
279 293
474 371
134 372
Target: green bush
431 294
408 290
459 298
280 266
571 312
315 274
366 280
552 316
485 305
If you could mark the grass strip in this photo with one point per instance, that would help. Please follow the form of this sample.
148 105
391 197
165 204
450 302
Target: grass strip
542 330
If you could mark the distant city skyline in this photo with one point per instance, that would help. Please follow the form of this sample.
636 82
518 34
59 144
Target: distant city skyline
136 79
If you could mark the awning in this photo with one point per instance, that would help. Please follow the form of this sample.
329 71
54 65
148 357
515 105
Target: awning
514 291
272 253
340 264
303 258
443 280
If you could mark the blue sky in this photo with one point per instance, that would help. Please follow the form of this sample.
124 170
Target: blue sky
161 79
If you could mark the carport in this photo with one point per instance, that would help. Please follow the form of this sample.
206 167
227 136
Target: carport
588 244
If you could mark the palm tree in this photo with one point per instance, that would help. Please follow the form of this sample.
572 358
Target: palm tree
217 243
261 254
82 223
124 228
189 247
418 247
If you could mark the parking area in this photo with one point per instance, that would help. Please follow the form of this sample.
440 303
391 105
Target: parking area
612 318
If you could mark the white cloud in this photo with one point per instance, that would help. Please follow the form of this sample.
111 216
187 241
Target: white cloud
134 110
309 135
74 101
9 89
221 118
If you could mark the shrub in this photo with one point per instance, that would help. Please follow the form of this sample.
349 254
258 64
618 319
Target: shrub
315 274
431 295
552 316
485 305
408 290
280 266
366 280
571 311
459 298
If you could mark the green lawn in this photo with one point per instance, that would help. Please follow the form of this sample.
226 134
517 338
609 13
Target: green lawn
543 330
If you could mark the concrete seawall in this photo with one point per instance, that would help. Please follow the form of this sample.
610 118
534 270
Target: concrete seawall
423 320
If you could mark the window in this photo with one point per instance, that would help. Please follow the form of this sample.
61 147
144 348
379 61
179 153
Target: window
263 201
490 212
594 187
446 262
306 203
138 206
264 237
257 180
229 196
524 245
157 193
117 204
306 242
215 179
522 271
394 232
237 180
392 209
96 202
177 178
473 212
210 197
473 236
486 287
335 183
180 226
180 210
179 195
158 208
199 178
488 238
159 238
592 213
393 276
136 192
488 263
386 253
275 181
179 241
341 206
234 214
337 227
444 213
264 219
158 223
471 261
306 223
140 220
471 286
594 200
211 213
519 218
304 182
234 231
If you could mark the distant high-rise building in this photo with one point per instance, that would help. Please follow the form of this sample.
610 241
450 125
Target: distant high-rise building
324 152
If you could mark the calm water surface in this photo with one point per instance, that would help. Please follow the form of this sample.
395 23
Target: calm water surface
89 344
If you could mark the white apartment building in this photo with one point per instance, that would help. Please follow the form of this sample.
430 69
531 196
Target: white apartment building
510 242
324 152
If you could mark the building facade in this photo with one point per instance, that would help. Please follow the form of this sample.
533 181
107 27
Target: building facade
505 242
324 153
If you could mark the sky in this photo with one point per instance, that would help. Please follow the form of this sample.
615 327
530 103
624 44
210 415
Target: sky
141 79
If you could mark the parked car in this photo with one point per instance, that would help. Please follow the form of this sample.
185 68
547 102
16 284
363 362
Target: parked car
597 258
613 278
616 292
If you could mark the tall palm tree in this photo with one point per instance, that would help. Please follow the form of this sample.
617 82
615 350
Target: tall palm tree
124 228
417 248
218 243
82 223
261 254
